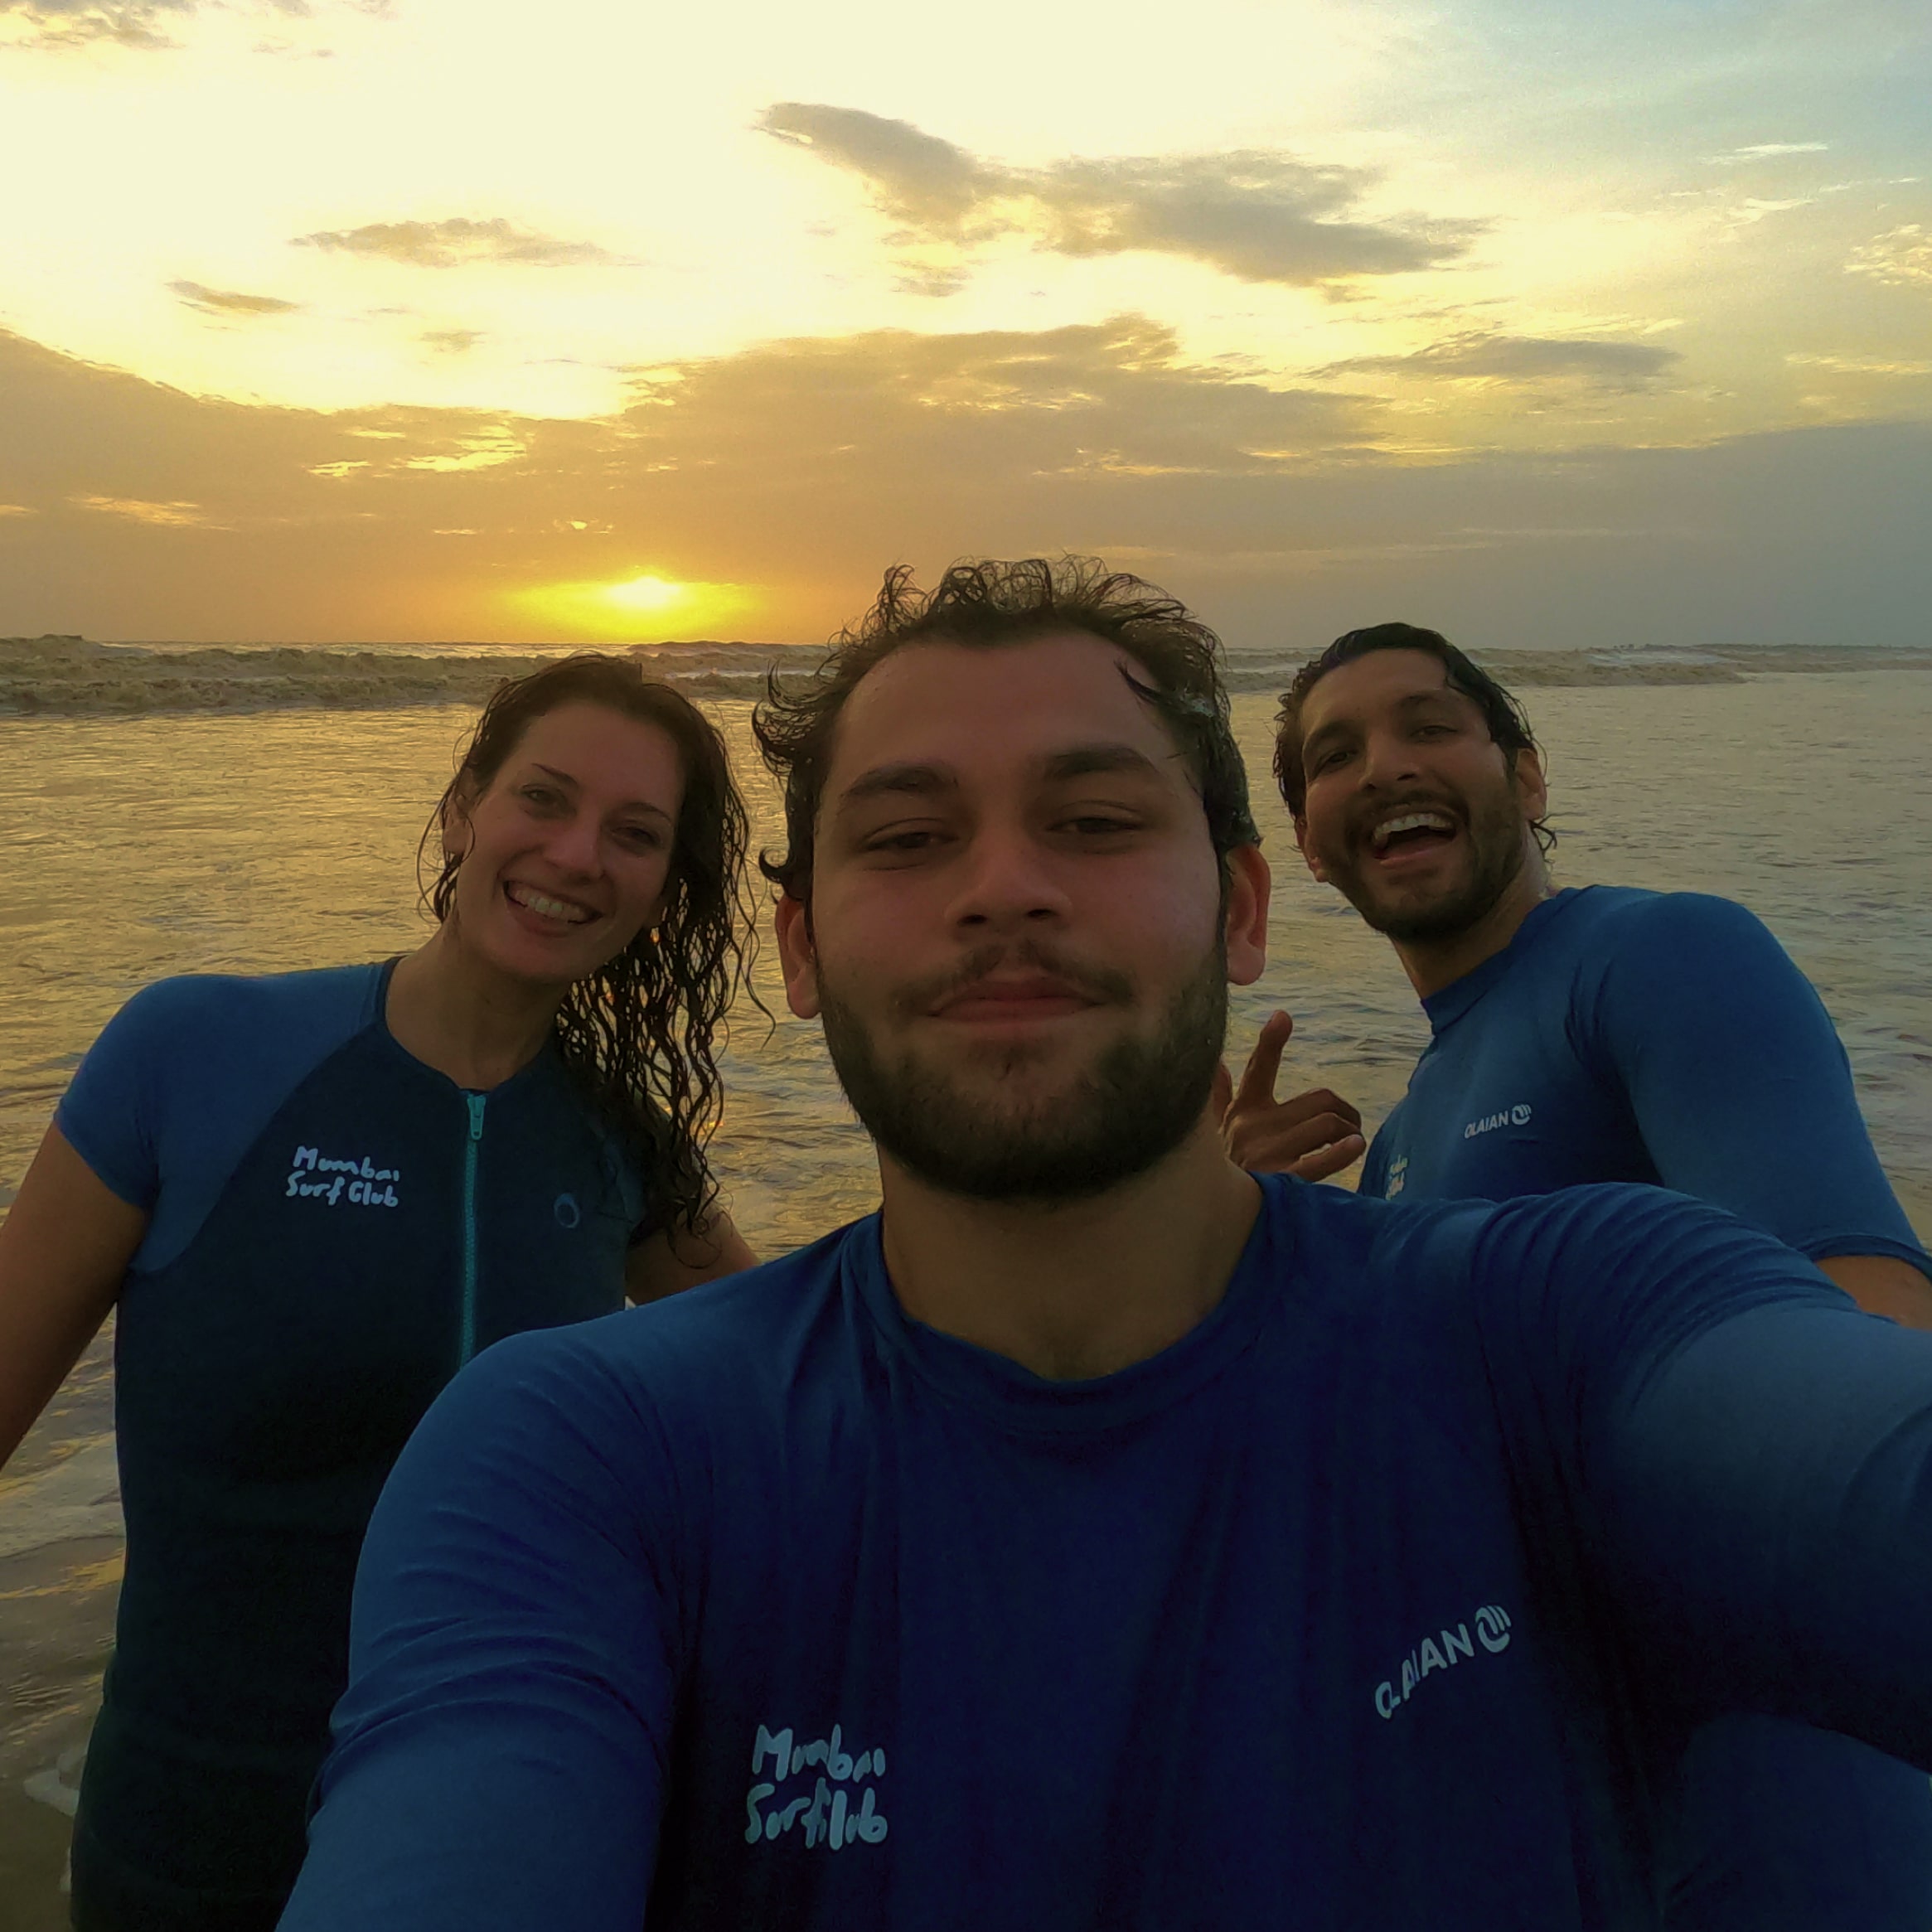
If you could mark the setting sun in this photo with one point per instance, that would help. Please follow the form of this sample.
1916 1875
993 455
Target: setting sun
609 612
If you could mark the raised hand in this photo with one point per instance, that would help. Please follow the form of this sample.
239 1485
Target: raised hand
1311 1135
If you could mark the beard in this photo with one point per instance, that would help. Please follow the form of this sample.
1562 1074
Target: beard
1494 831
1136 1104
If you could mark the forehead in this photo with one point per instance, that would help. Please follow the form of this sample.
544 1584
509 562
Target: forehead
981 709
1374 683
606 751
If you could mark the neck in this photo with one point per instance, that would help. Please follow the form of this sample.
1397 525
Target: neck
1080 1289
1432 964
451 1012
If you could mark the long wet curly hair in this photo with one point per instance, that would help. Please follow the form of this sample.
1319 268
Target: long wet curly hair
641 1033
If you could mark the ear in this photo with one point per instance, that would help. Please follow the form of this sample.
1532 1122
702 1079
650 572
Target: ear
797 956
1309 858
1249 883
456 829
1530 787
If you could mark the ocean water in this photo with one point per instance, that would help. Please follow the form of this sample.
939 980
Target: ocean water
144 838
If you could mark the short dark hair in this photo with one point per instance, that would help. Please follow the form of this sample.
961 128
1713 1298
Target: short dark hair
641 1033
1508 723
989 602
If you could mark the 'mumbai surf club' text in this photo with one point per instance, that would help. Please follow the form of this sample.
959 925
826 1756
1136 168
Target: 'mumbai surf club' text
360 1183
823 1813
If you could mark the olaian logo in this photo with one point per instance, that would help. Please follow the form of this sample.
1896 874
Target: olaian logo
314 1176
1491 1631
1510 1116
825 1812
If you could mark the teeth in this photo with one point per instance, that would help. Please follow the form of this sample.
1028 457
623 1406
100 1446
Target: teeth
548 907
1411 821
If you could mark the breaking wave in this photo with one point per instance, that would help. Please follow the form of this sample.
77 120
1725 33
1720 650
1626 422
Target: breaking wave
74 676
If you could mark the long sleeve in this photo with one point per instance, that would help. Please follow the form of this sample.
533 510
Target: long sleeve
1747 1458
501 1749
1740 1087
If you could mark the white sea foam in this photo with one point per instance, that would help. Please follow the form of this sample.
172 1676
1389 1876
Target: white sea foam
75 677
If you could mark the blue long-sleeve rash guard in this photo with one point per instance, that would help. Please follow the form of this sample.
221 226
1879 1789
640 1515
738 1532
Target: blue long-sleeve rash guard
1630 1035
1641 1036
1381 1600
333 1227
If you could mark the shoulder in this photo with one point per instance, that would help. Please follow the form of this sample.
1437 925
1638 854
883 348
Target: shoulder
707 1359
1597 1267
189 1011
1673 927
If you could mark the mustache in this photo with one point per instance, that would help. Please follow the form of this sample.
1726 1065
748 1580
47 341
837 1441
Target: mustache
1096 983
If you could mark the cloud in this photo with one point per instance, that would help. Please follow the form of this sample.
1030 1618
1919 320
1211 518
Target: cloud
451 342
801 468
1252 213
58 23
459 243
230 301
128 23
161 515
1769 150
1902 257
1477 357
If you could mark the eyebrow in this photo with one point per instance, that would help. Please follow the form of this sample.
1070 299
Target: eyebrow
915 779
1415 701
575 784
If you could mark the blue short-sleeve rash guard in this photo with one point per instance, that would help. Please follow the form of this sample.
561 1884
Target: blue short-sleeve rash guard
1382 1600
334 1228
1631 1035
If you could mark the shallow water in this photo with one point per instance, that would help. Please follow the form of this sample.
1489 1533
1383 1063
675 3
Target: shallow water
144 846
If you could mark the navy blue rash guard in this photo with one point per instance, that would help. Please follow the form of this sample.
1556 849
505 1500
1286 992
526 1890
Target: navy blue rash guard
334 1229
1629 1035
1381 1600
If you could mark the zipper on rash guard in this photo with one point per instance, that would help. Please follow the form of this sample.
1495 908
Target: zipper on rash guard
472 1150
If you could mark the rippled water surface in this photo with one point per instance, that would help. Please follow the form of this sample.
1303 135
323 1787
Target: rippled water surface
141 847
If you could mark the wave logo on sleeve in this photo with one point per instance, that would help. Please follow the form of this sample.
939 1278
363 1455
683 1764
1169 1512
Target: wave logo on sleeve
1456 1645
314 1176
839 1807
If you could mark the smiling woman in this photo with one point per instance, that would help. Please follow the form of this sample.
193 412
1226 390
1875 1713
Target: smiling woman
310 1197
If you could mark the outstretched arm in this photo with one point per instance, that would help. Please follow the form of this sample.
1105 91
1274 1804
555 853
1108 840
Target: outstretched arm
1743 1096
498 1755
64 1247
1737 1460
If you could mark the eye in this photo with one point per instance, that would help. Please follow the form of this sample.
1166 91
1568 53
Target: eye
543 797
1100 825
642 838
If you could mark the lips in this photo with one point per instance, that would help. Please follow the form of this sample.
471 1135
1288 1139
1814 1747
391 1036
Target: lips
1037 996
1412 827
550 906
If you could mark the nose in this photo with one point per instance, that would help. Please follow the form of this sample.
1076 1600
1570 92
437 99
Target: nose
1388 759
574 845
1007 883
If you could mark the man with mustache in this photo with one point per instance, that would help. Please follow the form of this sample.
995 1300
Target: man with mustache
1598 1035
1098 1537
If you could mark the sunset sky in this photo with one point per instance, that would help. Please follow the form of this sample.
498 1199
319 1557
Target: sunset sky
441 320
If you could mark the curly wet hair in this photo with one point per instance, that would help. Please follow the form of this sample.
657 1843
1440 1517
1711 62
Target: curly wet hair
989 601
641 1034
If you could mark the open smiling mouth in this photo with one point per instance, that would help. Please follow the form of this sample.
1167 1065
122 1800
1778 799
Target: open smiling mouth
563 910
1411 832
